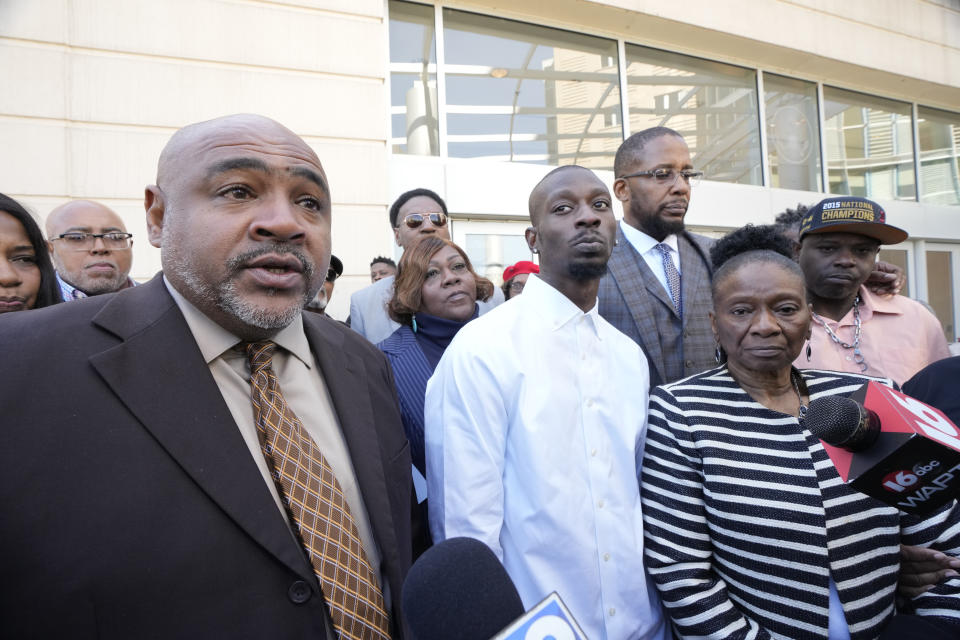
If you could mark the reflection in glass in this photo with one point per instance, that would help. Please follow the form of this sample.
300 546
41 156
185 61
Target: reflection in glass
525 93
940 290
939 133
491 253
712 105
793 136
869 145
413 80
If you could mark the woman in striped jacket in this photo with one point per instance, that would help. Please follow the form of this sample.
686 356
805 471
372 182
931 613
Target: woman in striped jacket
750 532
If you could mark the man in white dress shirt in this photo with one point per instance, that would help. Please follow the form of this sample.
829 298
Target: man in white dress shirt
535 417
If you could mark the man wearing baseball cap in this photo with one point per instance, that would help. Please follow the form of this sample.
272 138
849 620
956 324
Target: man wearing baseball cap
854 330
515 277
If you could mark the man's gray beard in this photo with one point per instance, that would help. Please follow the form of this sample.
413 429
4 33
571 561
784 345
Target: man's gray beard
98 286
225 295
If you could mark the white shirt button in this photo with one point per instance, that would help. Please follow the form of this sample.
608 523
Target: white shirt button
593 453
590 402
606 557
613 611
600 505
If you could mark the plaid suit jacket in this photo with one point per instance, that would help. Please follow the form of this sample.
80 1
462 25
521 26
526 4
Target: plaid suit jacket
634 301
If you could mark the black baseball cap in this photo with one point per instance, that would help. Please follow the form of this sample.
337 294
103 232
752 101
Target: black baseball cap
851 214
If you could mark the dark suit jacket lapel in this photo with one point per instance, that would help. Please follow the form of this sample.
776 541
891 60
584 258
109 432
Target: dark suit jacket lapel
347 382
160 375
634 278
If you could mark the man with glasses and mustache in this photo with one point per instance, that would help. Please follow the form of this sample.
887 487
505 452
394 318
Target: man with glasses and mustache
91 249
414 214
205 460
657 288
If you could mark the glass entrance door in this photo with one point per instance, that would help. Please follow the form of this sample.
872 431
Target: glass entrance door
492 245
943 275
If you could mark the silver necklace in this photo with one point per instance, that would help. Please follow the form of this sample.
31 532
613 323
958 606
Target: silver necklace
857 354
802 411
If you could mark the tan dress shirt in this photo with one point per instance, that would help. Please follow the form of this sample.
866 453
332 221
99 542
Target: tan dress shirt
303 389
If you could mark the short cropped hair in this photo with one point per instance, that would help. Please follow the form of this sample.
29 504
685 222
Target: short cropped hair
629 152
383 260
751 244
406 196
412 274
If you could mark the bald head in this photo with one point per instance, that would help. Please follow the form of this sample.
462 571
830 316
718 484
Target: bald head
195 139
551 182
96 268
241 213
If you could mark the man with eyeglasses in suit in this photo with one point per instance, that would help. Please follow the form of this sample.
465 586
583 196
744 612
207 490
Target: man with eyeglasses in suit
91 249
414 214
657 288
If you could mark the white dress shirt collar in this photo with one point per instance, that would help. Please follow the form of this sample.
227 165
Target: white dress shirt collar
554 307
644 243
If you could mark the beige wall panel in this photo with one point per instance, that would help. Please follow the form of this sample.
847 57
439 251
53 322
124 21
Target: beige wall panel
160 93
359 233
113 163
33 80
34 158
44 20
917 18
357 171
371 8
240 32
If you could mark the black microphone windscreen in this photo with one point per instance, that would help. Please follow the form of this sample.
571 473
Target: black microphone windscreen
833 419
459 590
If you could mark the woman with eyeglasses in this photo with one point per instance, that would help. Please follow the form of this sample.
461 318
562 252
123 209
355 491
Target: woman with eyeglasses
27 278
435 295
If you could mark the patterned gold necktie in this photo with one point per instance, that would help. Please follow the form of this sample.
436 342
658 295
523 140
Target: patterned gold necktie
316 504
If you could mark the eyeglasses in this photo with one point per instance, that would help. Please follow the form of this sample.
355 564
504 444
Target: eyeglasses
414 220
667 177
79 241
516 286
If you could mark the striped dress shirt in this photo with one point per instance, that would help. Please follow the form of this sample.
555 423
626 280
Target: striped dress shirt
746 520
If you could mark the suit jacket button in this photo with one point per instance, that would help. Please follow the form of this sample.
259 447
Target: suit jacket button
689 364
299 592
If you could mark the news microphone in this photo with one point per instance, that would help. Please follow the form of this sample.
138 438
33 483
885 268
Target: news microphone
890 446
458 590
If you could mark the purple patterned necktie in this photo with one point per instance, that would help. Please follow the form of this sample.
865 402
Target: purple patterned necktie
673 277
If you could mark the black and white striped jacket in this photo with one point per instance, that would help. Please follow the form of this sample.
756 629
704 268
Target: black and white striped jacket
746 519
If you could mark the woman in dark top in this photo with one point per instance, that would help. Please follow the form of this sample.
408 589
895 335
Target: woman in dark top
750 532
27 278
434 295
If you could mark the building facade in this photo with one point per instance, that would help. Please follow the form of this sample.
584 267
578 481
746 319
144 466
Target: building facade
780 101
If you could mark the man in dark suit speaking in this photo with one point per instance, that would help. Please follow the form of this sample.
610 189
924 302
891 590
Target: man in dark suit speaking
194 457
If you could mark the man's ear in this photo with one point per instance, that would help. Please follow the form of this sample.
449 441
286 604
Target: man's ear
713 327
396 236
154 204
531 237
621 190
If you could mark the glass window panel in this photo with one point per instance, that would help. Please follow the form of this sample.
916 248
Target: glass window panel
793 133
939 133
940 290
712 105
899 258
869 145
491 253
413 80
525 93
